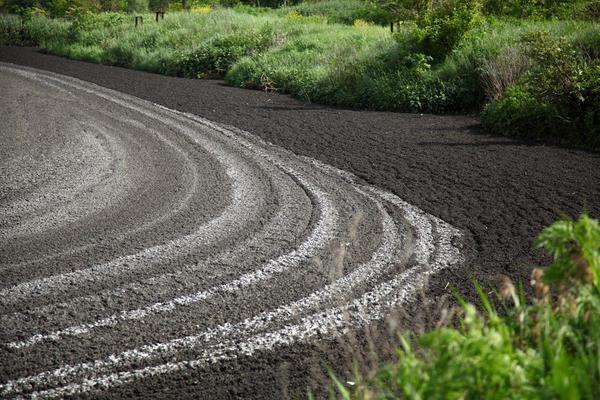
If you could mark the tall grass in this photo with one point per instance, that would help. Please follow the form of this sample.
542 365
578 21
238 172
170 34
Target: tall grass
341 11
361 66
36 31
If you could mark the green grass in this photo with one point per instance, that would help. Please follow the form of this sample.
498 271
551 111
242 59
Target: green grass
341 11
548 349
298 50
38 31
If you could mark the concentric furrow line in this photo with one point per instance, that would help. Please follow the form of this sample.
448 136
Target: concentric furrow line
371 306
232 257
86 182
320 236
380 260
74 185
227 222
315 242
190 190
367 269
160 253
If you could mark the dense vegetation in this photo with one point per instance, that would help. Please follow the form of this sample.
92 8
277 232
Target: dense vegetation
548 349
532 66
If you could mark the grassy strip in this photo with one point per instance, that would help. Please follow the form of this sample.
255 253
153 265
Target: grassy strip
361 66
546 350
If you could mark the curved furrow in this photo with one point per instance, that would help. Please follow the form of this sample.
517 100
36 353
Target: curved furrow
245 247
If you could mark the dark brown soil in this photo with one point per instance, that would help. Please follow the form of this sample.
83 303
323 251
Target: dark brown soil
500 192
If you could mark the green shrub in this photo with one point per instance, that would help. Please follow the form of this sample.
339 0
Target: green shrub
559 96
441 28
137 6
215 56
13 32
251 10
540 9
518 113
557 72
591 105
343 11
89 22
33 31
548 349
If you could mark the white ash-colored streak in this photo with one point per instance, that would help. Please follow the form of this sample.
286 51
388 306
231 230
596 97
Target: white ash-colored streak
285 213
318 239
415 216
372 305
385 256
173 280
242 206
306 250
334 322
176 208
226 222
91 172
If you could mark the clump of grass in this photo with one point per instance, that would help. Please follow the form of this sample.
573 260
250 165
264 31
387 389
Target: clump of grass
33 31
549 348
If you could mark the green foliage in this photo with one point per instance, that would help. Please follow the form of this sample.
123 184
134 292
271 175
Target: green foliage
544 9
250 10
442 27
556 76
215 56
518 113
13 32
87 22
446 61
575 247
137 6
34 31
439 25
548 349
343 11
558 97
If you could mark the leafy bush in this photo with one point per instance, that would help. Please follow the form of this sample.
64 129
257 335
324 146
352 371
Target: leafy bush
344 11
591 104
88 22
558 96
518 113
441 28
13 32
215 56
547 349
33 31
556 76
539 9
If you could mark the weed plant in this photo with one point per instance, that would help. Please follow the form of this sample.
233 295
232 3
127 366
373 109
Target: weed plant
546 349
